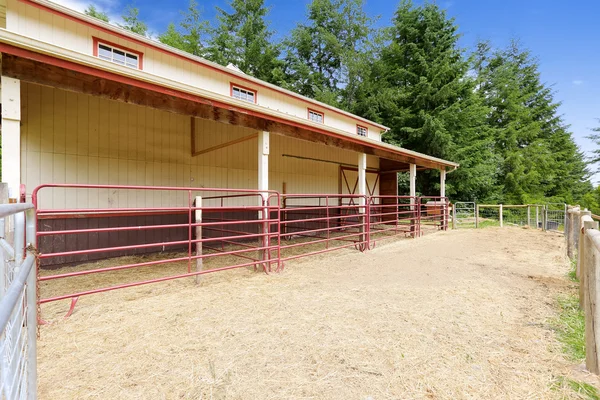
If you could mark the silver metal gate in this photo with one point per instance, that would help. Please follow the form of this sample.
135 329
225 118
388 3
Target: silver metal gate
554 217
463 214
18 311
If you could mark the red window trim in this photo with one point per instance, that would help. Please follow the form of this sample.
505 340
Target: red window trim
101 28
232 85
309 110
364 127
97 40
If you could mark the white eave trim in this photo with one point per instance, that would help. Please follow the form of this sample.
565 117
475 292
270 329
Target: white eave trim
51 50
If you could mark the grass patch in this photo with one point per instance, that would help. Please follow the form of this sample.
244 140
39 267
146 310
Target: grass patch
570 327
584 390
572 274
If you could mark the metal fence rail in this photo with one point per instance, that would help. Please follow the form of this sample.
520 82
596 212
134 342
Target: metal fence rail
18 310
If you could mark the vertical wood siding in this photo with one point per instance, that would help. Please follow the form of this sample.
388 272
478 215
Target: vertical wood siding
69 137
44 26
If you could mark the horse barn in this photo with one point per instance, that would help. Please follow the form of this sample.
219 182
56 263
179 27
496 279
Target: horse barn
168 165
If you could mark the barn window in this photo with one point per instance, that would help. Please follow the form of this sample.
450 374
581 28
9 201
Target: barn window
362 131
316 116
118 55
243 93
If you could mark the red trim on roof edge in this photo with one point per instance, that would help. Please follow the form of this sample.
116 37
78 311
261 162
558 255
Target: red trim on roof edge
19 52
171 53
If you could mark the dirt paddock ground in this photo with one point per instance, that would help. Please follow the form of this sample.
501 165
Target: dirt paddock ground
458 314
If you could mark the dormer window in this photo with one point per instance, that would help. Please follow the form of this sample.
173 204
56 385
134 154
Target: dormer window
362 131
117 54
316 116
242 93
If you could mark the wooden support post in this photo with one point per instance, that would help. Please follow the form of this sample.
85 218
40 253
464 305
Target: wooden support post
10 98
591 259
537 217
476 215
501 216
263 185
362 191
529 215
198 219
544 218
412 177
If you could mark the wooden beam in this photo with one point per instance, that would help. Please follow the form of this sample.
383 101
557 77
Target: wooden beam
223 145
29 70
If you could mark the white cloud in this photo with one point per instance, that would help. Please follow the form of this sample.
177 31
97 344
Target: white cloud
111 7
577 82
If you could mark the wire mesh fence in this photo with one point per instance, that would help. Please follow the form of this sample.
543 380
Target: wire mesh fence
549 217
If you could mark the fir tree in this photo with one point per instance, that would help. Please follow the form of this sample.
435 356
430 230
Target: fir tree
192 32
243 38
132 23
92 11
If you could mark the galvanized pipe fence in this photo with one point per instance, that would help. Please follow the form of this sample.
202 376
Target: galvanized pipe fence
18 302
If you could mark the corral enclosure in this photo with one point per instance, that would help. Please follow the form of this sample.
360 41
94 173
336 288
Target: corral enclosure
458 314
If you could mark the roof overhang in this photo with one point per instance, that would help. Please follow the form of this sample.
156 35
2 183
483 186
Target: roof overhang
46 64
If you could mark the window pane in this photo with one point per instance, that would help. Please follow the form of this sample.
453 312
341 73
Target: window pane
131 60
104 52
236 93
251 97
118 56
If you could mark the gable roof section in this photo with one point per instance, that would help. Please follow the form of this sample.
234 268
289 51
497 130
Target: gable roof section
173 52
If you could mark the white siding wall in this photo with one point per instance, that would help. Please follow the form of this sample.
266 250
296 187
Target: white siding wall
41 25
70 137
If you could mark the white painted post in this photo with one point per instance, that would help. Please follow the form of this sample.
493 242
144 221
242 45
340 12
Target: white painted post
362 191
442 183
501 217
199 261
263 186
11 135
412 175
443 201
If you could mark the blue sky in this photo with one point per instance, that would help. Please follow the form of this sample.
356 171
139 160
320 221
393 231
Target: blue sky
562 34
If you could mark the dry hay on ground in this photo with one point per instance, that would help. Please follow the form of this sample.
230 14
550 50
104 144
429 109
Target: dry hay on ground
461 314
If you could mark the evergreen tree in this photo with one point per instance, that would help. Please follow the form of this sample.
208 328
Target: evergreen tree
92 11
132 23
421 88
539 157
595 137
327 58
191 36
243 39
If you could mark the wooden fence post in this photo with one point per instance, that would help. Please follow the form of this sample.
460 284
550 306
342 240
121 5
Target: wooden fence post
477 216
591 259
199 266
454 216
501 217
586 223
529 215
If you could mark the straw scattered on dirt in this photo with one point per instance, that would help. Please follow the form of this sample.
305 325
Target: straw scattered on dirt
460 314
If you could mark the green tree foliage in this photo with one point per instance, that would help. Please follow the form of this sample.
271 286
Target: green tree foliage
92 11
421 88
191 34
539 158
595 137
243 38
132 22
327 57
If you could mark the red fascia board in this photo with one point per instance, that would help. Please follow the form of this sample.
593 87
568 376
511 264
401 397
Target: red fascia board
232 85
138 53
180 56
19 52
